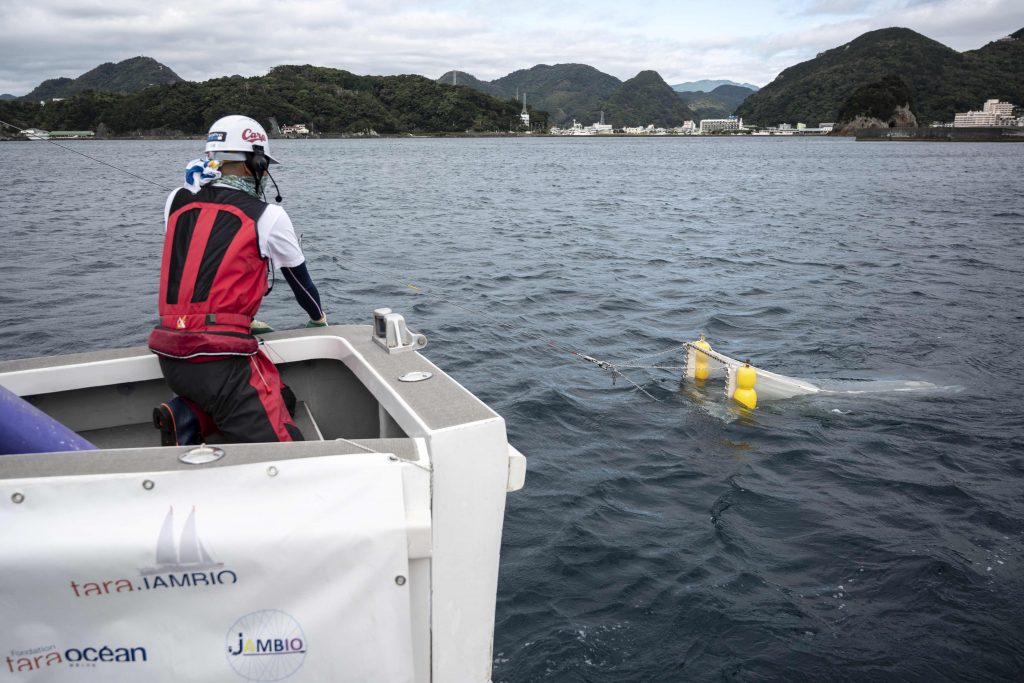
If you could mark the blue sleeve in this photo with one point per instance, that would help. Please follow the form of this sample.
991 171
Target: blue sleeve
304 289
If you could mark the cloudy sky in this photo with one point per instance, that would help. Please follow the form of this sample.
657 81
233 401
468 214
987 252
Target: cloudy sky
742 40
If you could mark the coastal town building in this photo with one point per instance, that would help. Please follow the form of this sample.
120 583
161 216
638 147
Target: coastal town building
71 134
798 129
720 125
998 108
578 128
974 118
993 113
294 129
602 128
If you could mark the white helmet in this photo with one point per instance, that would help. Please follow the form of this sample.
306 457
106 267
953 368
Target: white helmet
230 137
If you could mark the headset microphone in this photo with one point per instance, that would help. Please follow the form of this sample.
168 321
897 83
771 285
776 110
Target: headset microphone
276 188
259 165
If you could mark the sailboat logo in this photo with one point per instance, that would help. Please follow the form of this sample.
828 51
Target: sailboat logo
187 555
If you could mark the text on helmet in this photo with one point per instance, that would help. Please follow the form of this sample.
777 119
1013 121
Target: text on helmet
250 135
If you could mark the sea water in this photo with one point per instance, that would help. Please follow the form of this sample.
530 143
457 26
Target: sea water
874 532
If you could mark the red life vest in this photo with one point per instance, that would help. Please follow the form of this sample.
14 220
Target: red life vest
212 277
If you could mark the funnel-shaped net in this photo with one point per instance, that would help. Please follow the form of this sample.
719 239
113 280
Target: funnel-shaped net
769 385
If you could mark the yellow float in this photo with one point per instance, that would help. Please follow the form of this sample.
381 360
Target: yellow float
700 361
744 394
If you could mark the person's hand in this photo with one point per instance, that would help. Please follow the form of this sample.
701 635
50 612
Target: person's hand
258 327
322 322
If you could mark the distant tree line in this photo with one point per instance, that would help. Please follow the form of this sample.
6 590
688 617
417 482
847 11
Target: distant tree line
329 101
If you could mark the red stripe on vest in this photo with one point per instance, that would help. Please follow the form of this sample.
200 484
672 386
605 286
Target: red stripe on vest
196 248
235 293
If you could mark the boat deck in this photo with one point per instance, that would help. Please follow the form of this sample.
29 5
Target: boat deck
146 434
347 387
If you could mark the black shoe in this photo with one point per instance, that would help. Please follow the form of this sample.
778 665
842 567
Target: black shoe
289 399
163 419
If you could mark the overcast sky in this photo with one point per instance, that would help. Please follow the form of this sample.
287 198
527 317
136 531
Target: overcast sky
742 40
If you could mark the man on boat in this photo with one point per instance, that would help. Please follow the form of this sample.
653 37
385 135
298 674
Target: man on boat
222 241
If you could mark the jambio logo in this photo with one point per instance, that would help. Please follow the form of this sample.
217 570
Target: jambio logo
268 645
250 135
35 659
185 564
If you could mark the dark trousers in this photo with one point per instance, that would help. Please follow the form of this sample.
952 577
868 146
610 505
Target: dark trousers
241 394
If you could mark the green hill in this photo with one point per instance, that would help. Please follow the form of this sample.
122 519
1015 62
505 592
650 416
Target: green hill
470 81
331 101
941 80
996 70
581 92
717 104
565 91
124 77
886 103
707 85
644 99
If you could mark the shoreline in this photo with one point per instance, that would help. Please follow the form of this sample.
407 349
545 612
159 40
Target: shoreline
988 134
974 134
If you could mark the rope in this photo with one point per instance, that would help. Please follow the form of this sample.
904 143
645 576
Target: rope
602 364
98 161
414 463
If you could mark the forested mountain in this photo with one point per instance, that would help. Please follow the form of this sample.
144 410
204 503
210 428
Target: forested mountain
470 81
941 80
706 85
646 98
581 92
565 91
124 77
328 100
717 104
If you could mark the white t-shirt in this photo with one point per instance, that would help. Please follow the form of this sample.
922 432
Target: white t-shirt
276 234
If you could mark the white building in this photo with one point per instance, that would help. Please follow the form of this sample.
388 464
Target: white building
974 118
602 128
993 113
998 108
716 125
640 130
